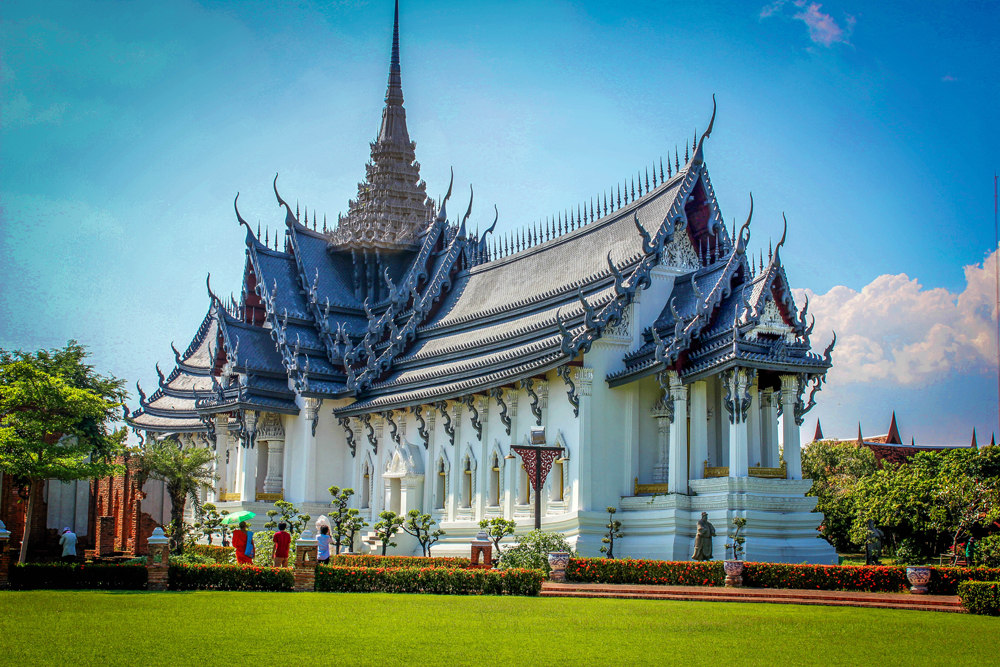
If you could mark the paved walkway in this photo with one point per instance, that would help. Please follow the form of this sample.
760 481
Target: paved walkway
950 603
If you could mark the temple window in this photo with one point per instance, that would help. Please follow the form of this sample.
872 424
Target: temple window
365 487
466 485
395 494
441 486
494 481
558 480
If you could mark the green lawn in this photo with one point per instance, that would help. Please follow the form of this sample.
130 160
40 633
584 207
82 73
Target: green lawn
284 629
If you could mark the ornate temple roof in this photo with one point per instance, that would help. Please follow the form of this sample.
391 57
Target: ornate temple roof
399 306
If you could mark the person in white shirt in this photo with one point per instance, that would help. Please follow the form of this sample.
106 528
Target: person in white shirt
68 544
323 545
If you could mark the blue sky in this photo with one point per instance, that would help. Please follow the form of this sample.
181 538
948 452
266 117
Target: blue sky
128 128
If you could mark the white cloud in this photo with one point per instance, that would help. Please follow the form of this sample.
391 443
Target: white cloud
896 331
823 28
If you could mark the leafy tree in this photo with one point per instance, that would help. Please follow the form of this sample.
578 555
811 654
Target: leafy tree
387 528
340 516
183 469
210 523
737 540
963 503
419 525
352 525
52 429
497 528
532 551
836 468
287 513
614 532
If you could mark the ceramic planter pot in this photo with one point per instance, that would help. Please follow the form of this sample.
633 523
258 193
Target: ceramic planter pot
558 560
734 573
918 577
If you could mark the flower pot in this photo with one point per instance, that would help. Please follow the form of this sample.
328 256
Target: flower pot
558 560
734 573
918 577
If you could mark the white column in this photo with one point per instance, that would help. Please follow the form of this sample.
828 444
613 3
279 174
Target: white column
221 447
249 491
457 469
678 474
753 428
661 413
699 430
769 427
274 481
511 467
308 475
736 381
790 428
583 483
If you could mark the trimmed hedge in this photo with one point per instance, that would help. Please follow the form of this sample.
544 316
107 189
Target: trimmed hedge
399 561
229 578
222 555
77 576
436 580
980 597
652 572
876 578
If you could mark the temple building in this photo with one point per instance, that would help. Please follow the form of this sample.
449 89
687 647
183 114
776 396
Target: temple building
404 355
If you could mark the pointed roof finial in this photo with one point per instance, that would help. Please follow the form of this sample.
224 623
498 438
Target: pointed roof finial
893 437
861 440
975 445
393 116
819 432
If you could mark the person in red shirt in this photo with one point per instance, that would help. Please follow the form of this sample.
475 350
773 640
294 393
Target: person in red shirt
240 539
281 541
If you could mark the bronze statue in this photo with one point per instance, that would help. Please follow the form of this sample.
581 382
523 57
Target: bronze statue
703 540
873 547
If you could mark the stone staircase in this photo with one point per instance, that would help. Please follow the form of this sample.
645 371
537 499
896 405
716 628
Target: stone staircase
948 603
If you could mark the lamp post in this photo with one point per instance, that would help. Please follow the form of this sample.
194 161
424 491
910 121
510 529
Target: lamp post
538 461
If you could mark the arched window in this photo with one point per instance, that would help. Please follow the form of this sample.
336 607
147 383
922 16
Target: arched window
395 494
442 486
494 480
524 486
558 479
466 484
366 478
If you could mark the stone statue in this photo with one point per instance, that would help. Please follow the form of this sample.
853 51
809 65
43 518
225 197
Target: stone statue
873 546
703 539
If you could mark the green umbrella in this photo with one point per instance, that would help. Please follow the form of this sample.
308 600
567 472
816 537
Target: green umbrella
236 517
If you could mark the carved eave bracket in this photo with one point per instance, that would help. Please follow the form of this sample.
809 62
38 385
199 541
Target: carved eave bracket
566 373
536 409
498 394
349 431
372 440
393 429
421 424
470 401
449 428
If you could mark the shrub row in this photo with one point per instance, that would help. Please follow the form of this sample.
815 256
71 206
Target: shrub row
877 578
229 578
437 580
399 561
219 554
980 597
101 576
653 572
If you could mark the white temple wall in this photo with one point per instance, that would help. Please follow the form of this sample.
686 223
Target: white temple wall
68 505
648 440
613 428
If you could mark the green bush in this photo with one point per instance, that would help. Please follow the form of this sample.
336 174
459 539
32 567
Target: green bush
224 555
263 554
191 558
655 572
100 576
228 578
532 551
398 561
877 578
436 580
988 551
980 597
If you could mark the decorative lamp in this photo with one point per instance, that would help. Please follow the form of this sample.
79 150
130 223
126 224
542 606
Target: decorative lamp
538 435
157 537
306 538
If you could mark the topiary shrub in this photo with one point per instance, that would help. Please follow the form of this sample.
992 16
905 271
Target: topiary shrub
373 560
532 551
218 554
980 597
438 581
183 577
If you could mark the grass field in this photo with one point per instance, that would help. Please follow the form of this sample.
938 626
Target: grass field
283 629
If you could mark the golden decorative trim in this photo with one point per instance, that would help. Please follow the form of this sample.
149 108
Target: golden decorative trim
643 489
770 473
717 471
229 497
269 497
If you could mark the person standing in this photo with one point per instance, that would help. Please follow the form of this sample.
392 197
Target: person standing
281 540
68 543
323 545
243 544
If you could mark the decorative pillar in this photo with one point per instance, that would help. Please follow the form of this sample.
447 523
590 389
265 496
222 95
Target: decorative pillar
754 456
312 406
510 472
677 480
248 493
305 563
769 428
481 544
737 401
699 430
790 428
274 481
662 413
156 572
583 482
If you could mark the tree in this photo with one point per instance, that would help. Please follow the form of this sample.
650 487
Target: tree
497 528
340 516
211 523
352 525
183 468
962 503
387 528
836 468
289 514
532 551
419 525
614 532
51 429
737 540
